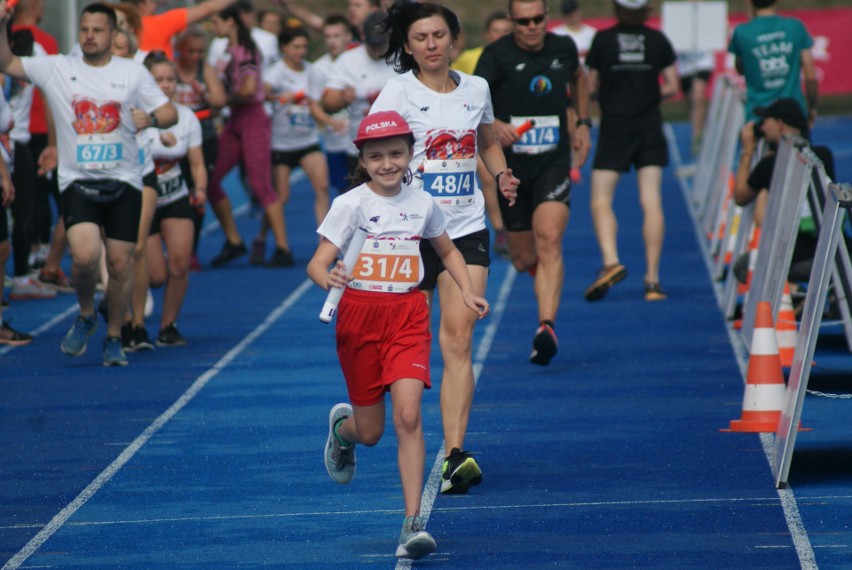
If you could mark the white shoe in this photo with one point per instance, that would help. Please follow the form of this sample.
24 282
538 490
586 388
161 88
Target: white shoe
149 304
29 288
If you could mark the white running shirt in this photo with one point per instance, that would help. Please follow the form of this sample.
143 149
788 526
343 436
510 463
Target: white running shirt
95 134
445 146
356 69
390 259
293 126
171 185
332 141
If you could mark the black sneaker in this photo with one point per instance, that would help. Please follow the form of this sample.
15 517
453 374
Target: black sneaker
126 336
281 258
11 337
459 473
170 336
229 253
607 277
545 345
139 340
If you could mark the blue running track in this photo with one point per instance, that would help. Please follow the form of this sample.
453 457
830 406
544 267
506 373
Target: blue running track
210 456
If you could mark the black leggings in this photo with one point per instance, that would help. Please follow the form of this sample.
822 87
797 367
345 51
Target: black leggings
23 178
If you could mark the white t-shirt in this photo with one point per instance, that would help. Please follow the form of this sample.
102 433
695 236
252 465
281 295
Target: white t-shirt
22 104
6 124
390 259
293 126
266 43
332 140
171 185
445 146
355 68
91 112
582 37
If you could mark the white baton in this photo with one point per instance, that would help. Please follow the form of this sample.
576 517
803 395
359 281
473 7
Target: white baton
349 260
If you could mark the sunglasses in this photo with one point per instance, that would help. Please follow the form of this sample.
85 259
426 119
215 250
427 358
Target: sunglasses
536 20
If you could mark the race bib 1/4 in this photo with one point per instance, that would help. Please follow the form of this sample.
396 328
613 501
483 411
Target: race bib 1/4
450 182
541 138
388 266
99 151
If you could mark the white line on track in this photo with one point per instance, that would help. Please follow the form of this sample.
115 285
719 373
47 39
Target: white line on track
798 532
433 483
62 516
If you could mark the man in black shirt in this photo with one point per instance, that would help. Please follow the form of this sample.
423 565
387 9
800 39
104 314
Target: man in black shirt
625 63
529 72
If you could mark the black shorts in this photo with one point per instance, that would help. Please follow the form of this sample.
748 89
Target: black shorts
541 181
473 247
619 149
686 80
119 218
4 224
180 209
293 158
150 180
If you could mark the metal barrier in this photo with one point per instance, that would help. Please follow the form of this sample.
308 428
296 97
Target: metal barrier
837 200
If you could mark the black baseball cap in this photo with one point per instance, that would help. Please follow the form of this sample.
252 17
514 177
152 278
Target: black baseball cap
787 110
570 6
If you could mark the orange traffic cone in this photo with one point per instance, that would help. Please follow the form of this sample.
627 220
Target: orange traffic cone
786 332
765 389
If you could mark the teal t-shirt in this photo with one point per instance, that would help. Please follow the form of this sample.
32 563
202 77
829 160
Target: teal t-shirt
770 50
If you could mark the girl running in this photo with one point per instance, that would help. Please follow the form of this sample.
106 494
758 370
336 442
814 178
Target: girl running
383 336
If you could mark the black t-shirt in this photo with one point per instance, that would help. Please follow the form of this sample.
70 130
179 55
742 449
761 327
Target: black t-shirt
761 175
629 60
531 84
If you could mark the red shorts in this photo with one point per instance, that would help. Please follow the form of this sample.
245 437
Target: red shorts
382 338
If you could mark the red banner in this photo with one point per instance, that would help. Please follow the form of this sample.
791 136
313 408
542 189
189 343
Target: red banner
830 29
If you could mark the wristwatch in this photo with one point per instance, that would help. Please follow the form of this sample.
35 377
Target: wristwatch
154 121
586 121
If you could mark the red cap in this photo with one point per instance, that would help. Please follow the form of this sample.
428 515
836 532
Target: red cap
381 125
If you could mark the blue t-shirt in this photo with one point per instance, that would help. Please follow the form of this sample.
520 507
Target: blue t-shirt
769 48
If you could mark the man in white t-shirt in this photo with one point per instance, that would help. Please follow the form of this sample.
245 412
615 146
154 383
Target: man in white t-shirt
356 79
98 103
573 26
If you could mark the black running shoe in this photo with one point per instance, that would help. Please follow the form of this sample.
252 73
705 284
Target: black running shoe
126 336
281 258
607 277
459 473
11 337
229 253
139 340
545 345
170 336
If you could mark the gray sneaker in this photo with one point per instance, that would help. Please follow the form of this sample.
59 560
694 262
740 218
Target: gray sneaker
77 337
339 460
414 541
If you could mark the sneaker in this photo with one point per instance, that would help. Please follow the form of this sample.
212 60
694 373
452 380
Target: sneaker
113 353
281 258
170 336
126 336
229 253
10 336
77 337
56 280
139 340
194 263
258 252
414 541
460 472
654 292
545 345
29 288
501 244
607 277
339 460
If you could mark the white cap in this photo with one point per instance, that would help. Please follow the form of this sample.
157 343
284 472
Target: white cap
632 4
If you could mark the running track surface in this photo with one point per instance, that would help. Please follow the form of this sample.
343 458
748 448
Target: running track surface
210 455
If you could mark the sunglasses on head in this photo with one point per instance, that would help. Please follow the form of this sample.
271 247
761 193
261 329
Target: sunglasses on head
527 21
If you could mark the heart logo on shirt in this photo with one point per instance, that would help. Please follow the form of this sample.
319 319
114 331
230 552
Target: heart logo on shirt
447 144
92 118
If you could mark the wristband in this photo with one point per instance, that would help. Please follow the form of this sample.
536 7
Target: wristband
154 122
587 122
497 178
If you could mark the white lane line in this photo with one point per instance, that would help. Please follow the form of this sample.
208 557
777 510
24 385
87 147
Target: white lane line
59 520
433 482
798 532
651 503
